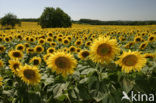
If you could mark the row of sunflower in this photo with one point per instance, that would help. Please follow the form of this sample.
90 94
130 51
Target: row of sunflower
79 64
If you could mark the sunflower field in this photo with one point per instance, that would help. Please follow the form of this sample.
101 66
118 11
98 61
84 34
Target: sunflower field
82 64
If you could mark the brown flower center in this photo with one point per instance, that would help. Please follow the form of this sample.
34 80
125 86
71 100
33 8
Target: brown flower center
130 60
16 54
103 49
62 62
29 74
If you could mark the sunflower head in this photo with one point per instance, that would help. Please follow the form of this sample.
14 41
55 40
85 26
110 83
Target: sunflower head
49 39
1 79
62 62
131 61
39 49
26 45
2 49
143 45
103 50
30 50
16 54
41 41
151 38
14 66
51 50
1 63
35 61
138 39
65 41
20 47
84 54
53 44
29 74
72 49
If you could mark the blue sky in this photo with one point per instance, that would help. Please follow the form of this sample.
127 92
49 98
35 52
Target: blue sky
93 9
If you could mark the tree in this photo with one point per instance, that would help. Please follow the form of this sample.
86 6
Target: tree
52 18
10 20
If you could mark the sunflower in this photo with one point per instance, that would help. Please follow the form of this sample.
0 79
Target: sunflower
62 62
143 45
131 61
2 48
20 47
78 50
49 39
65 41
31 39
41 41
7 39
39 49
15 54
149 55
129 44
1 39
69 38
29 74
151 38
27 38
53 44
26 45
88 43
84 54
51 50
14 65
46 56
59 39
30 50
35 61
72 49
1 63
1 79
138 39
78 43
50 34
103 50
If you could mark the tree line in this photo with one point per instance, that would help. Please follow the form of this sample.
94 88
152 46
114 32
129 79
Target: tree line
98 22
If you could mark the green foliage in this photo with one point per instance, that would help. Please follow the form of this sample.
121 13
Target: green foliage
52 18
10 20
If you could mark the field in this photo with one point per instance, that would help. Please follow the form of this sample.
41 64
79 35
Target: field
82 64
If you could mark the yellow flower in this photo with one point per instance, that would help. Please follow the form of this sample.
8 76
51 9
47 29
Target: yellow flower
14 66
103 50
151 38
39 49
29 74
1 63
65 41
15 54
84 54
1 79
62 62
72 49
35 61
2 49
30 50
20 47
143 45
138 39
41 41
51 50
131 61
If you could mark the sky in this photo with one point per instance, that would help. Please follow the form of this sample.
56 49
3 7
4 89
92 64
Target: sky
77 9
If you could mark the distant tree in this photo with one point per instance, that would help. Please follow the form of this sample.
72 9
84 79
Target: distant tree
10 20
52 18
